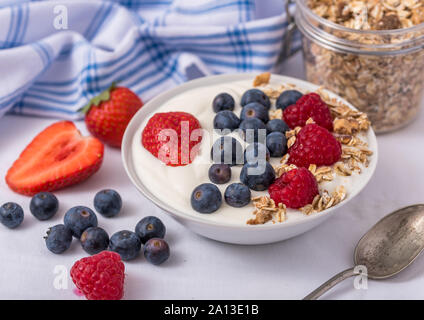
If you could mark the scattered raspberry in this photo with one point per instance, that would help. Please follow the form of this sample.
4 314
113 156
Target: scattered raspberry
159 137
100 277
315 145
308 106
295 188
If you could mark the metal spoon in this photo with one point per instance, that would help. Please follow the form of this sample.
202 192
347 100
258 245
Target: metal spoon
387 248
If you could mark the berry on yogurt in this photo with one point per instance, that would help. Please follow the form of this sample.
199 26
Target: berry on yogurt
223 101
206 198
237 195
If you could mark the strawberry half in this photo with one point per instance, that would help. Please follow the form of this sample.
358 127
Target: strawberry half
172 136
107 115
57 157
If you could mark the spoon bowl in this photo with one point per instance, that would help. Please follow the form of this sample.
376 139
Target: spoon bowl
391 245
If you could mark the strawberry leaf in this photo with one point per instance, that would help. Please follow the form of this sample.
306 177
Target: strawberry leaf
97 100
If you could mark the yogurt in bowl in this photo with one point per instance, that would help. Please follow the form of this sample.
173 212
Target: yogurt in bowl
171 187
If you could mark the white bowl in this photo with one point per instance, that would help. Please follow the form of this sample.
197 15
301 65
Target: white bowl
237 234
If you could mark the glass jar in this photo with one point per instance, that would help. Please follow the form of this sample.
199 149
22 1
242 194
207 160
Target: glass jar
381 72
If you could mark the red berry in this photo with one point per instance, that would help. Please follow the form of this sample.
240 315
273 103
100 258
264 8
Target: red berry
57 157
100 277
295 188
171 137
308 106
108 115
315 145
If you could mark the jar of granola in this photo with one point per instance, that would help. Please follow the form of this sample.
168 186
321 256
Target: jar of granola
371 52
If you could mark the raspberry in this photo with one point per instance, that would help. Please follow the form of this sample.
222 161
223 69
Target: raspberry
100 277
295 188
315 145
159 139
308 106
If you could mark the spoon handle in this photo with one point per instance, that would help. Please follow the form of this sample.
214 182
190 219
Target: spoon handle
330 283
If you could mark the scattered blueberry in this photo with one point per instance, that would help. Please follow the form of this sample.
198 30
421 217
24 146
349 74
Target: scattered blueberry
78 219
126 243
150 227
287 98
226 121
108 203
206 198
220 173
277 125
276 143
11 215
257 176
223 101
44 205
156 251
237 195
256 151
254 110
255 95
58 239
227 150
94 240
253 130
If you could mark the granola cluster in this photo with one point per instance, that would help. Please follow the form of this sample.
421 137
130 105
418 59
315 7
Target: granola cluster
387 87
266 210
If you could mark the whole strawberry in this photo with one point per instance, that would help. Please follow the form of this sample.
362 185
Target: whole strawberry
315 145
100 277
172 136
308 106
107 115
295 188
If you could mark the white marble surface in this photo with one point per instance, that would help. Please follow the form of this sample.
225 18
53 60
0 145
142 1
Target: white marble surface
203 269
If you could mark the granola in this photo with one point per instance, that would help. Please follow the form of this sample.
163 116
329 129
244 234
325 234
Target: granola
266 210
388 87
349 125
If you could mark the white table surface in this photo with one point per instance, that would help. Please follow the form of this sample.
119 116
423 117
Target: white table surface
204 269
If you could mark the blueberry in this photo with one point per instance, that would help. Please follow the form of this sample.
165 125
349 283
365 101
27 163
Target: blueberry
226 121
277 125
276 143
287 98
255 95
156 251
237 195
150 227
254 110
227 150
253 130
126 243
258 176
108 203
78 219
256 151
11 215
44 205
223 101
206 198
220 173
58 239
94 240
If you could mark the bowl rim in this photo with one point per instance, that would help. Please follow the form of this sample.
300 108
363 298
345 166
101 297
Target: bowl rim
156 102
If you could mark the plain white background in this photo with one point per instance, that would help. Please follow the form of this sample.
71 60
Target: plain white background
204 269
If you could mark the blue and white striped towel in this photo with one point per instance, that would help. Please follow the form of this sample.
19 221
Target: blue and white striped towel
56 55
